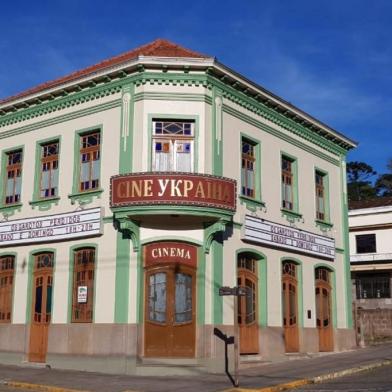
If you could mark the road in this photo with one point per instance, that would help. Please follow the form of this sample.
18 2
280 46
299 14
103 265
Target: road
376 380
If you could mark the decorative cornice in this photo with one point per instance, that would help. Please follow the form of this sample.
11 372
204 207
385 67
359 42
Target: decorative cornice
210 230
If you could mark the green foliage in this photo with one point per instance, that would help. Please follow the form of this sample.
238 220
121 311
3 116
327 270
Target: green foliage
359 184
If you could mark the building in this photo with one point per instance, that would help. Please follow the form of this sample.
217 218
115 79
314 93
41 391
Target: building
134 189
370 224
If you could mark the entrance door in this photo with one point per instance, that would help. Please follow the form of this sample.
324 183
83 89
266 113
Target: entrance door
290 306
170 311
247 305
41 306
323 309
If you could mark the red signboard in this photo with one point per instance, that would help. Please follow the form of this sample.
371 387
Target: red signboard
173 189
169 253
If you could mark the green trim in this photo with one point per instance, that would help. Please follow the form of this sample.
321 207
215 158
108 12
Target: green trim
123 252
129 227
15 256
44 204
10 209
280 135
179 117
30 273
172 238
211 230
262 283
87 196
217 132
201 284
327 221
140 289
161 96
324 225
339 250
299 264
108 219
217 275
346 254
126 135
71 263
334 300
291 216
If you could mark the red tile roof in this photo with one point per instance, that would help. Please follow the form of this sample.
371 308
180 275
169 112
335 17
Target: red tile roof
371 203
159 48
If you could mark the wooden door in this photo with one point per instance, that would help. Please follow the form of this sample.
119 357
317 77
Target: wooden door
290 306
323 309
247 305
41 306
170 327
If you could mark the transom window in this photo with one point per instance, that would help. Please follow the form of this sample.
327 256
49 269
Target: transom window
366 243
83 285
248 161
322 274
289 268
13 185
90 161
49 170
6 286
287 183
173 144
320 196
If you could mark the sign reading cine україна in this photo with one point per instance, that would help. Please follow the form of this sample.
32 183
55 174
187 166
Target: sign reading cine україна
51 227
280 236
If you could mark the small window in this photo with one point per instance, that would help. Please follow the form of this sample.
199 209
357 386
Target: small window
49 170
373 286
13 181
248 168
7 264
83 285
287 183
366 243
320 196
173 144
90 161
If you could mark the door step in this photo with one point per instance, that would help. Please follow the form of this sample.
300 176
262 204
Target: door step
169 367
39 365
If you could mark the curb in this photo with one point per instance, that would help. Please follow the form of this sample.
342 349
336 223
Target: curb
39 387
314 380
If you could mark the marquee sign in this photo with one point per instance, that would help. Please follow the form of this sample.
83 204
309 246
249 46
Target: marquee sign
51 227
265 232
173 189
170 252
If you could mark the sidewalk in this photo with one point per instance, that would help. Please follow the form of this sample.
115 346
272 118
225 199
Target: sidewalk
291 371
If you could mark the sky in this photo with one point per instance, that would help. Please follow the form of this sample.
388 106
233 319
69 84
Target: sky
332 59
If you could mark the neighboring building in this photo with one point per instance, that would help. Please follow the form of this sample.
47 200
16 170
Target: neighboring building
370 224
134 189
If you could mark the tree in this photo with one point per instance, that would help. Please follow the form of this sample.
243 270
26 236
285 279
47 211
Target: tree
383 183
359 184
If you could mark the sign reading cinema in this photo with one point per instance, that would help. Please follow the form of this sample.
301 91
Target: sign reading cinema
169 188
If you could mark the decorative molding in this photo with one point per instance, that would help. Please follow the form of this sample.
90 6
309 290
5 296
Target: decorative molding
210 230
45 204
129 227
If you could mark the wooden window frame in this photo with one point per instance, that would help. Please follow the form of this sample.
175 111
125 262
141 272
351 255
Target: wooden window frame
50 160
320 189
7 278
173 139
248 159
94 154
83 272
288 179
16 169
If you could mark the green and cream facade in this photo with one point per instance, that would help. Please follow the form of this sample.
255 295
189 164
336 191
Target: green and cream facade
226 112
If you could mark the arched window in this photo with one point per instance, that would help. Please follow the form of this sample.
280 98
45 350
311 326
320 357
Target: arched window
83 285
7 264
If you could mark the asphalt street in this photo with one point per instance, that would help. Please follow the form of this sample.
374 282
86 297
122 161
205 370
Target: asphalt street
376 380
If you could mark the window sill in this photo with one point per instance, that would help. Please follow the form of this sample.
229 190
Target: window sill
9 209
290 215
250 203
44 204
85 197
324 225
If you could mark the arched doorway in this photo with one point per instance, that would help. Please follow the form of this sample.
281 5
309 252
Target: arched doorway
247 305
290 305
41 306
170 300
323 308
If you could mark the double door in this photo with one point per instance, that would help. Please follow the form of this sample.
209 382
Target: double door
170 311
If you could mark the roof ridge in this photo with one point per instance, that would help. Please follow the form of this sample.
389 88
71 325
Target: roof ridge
159 45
